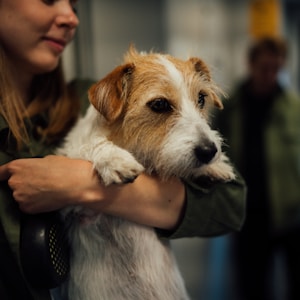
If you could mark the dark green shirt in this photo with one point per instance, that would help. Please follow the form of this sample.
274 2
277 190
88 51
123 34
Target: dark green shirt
274 158
210 210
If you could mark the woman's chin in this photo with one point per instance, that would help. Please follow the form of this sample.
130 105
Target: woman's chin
46 66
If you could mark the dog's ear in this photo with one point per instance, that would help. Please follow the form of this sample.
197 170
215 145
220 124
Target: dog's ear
109 94
217 101
201 68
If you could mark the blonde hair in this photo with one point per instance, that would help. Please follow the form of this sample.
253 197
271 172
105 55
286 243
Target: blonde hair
50 95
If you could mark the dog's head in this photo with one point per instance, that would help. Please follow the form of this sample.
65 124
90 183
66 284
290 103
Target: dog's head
110 95
157 107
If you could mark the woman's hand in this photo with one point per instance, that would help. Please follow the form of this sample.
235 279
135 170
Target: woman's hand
54 182
50 183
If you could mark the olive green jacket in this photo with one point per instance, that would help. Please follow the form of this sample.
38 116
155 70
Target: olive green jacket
282 154
209 211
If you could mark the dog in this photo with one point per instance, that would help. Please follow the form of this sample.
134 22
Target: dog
150 114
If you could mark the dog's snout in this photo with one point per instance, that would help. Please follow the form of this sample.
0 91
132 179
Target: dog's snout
206 153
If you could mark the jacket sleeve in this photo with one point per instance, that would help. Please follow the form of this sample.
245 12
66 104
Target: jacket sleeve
211 210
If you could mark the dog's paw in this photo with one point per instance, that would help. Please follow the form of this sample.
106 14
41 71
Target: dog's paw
220 170
120 167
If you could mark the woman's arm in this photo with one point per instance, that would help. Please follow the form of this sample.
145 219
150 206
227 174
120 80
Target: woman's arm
177 209
54 182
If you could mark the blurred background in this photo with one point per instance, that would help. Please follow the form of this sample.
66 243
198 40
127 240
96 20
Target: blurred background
219 31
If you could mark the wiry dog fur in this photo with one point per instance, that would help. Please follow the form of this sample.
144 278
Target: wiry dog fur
149 114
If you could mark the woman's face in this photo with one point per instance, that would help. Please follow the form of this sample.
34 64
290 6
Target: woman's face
34 33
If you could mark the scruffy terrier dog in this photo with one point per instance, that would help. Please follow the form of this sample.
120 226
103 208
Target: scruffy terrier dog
148 115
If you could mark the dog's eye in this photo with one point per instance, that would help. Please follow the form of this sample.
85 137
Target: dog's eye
201 99
160 105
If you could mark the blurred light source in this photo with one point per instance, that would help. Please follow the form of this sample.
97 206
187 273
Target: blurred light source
265 18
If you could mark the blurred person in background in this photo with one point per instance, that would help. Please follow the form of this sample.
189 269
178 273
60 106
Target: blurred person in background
261 124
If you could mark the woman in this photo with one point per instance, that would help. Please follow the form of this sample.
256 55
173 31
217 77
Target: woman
37 109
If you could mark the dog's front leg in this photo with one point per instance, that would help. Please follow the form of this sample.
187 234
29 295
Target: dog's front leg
220 170
113 164
87 140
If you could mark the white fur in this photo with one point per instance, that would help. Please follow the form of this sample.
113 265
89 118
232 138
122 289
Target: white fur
113 259
87 142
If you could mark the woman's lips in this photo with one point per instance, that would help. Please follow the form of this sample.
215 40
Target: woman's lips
55 43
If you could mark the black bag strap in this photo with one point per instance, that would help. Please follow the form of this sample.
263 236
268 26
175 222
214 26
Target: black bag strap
44 249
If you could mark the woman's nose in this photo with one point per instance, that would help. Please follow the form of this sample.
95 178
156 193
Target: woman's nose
67 17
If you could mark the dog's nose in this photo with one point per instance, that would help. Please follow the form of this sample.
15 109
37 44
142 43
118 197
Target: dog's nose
206 153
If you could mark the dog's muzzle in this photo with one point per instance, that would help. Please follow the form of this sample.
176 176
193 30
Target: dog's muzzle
206 153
